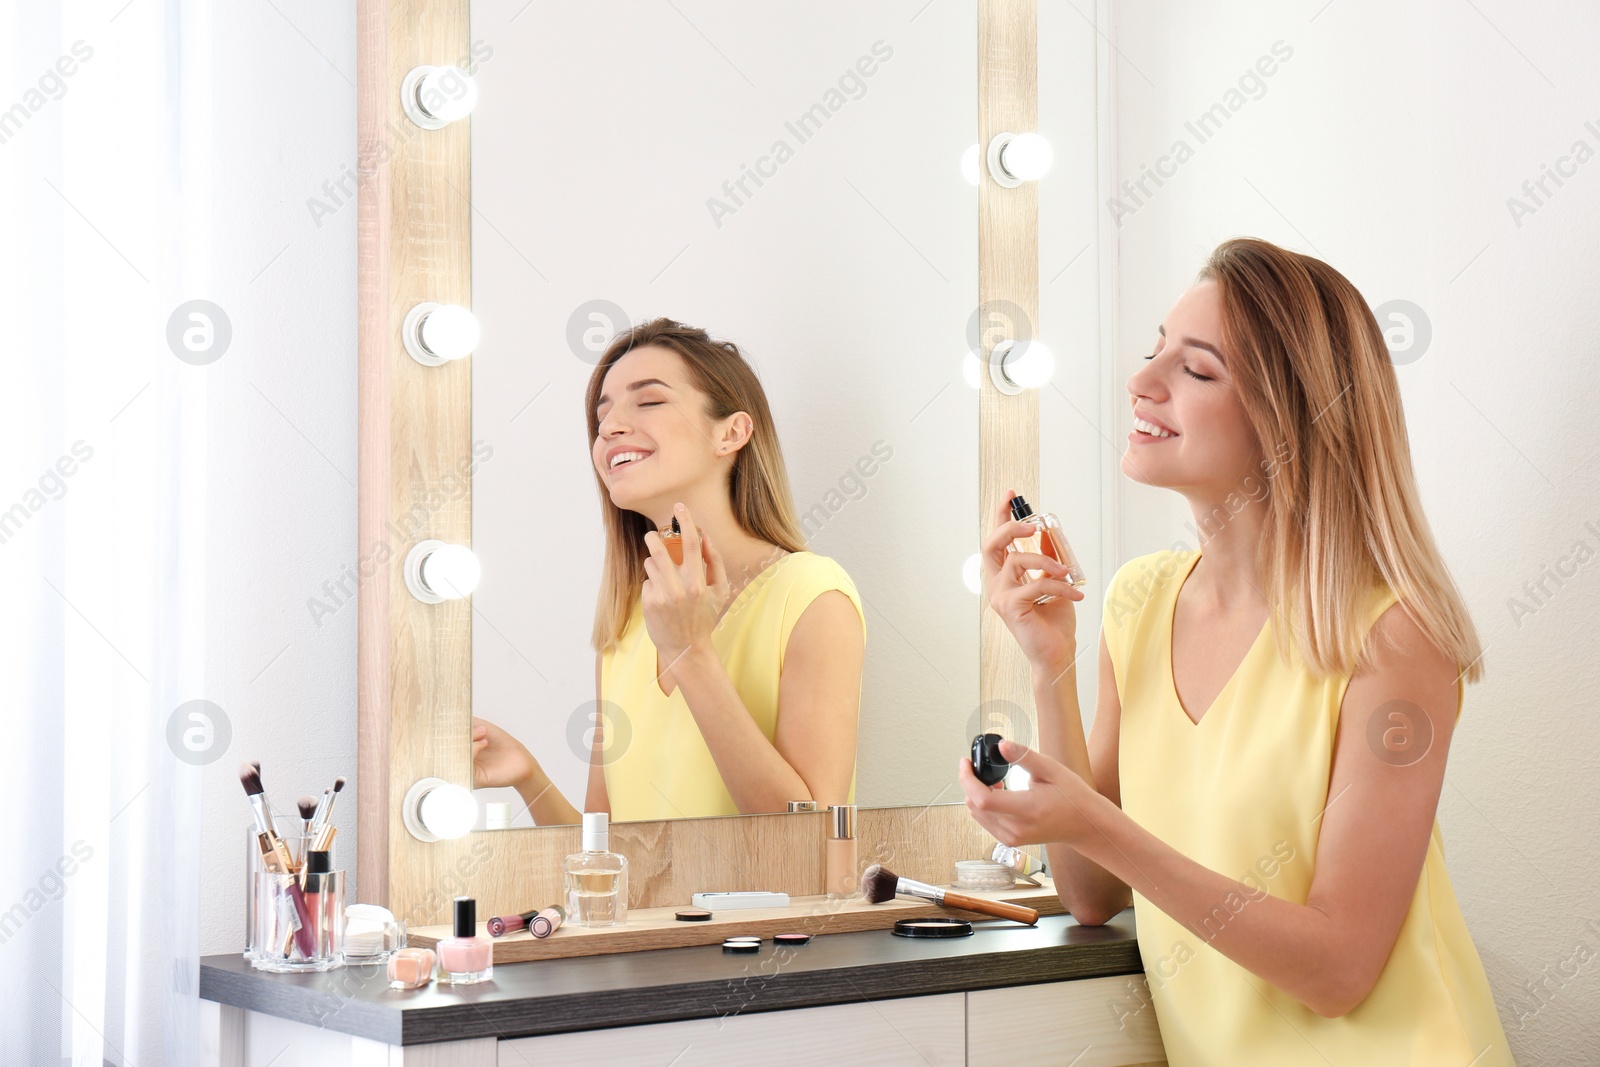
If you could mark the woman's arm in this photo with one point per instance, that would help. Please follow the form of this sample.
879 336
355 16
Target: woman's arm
1373 838
498 759
596 798
812 754
1090 893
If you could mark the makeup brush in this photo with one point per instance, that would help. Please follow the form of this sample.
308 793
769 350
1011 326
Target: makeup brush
308 810
879 883
324 826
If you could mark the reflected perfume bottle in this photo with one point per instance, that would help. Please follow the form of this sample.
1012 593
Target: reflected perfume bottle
596 879
1049 540
466 957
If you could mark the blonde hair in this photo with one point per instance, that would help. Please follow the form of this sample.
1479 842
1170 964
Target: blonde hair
758 485
1314 373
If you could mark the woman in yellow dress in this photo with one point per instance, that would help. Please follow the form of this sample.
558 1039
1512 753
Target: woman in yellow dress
1275 706
728 683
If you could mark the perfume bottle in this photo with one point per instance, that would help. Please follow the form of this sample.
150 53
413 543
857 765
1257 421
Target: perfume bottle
466 957
596 878
1050 540
672 538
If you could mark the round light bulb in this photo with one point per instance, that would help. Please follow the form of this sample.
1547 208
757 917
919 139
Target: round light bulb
447 93
969 165
448 811
1029 364
451 571
450 331
1027 156
972 574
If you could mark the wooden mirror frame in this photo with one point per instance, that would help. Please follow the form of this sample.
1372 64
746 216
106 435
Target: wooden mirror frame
414 660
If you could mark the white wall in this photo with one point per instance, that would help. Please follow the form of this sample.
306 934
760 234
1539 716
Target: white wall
283 434
1388 145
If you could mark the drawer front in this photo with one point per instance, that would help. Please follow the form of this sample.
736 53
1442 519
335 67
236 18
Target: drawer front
915 1031
1092 1022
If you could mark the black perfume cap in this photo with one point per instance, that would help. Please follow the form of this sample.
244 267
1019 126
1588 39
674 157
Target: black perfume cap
319 862
1020 508
466 917
675 527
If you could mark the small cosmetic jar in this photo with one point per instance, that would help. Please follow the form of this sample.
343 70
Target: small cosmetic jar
984 874
411 968
371 934
932 927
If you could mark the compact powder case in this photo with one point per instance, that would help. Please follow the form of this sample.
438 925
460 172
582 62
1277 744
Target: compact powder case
741 946
987 762
935 927
694 915
791 939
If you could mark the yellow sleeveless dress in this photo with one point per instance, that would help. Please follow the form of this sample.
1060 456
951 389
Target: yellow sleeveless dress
658 764
1240 792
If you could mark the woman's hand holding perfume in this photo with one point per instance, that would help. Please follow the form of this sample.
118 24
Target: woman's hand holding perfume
682 602
1047 632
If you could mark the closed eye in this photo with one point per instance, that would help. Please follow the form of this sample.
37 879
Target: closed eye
1186 370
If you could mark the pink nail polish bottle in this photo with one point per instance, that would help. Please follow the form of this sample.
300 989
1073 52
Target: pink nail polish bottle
466 957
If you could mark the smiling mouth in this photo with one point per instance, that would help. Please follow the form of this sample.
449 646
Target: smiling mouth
628 459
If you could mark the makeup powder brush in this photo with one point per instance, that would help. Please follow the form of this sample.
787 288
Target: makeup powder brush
308 812
879 883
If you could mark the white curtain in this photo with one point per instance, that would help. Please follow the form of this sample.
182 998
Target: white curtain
104 141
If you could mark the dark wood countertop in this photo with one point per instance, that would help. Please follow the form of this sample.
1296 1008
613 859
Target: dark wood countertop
665 985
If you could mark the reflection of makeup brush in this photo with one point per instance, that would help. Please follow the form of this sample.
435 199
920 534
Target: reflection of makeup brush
879 883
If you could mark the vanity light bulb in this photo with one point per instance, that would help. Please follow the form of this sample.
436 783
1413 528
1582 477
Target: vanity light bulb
969 165
1027 156
437 810
1018 365
452 571
448 811
972 574
435 571
1030 364
451 332
434 97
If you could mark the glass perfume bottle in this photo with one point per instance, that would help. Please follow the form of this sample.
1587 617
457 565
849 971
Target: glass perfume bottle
672 538
1050 540
596 878
466 957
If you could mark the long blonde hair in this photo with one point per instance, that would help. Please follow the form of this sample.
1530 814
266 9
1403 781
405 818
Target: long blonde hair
1314 373
758 485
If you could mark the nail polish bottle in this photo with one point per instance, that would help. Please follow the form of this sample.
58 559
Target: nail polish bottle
840 876
466 957
1049 540
672 537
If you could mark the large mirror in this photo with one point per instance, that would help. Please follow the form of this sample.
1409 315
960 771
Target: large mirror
788 178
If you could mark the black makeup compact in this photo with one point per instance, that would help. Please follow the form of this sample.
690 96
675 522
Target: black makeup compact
933 926
987 762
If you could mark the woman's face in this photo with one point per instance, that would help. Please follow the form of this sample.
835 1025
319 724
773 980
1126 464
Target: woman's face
655 441
1185 388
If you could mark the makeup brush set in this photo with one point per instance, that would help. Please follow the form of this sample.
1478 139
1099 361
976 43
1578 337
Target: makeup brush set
296 897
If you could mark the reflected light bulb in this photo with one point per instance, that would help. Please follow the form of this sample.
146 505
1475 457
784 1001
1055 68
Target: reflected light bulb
450 331
971 369
451 571
1027 156
969 165
972 574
